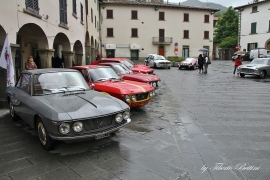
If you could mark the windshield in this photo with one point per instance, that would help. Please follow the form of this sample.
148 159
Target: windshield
189 59
119 69
57 82
126 68
260 61
160 58
128 63
102 74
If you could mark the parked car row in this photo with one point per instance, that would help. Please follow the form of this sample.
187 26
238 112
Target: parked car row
83 102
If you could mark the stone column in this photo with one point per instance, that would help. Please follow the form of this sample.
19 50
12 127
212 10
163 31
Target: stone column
46 57
78 59
87 55
93 55
68 58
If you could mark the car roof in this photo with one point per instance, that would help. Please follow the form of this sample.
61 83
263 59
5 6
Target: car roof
48 70
114 59
87 66
109 63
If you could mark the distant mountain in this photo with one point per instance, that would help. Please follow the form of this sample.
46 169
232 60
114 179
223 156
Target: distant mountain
204 4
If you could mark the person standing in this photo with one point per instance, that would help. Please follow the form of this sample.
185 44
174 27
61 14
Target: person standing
205 63
37 61
237 63
200 62
30 64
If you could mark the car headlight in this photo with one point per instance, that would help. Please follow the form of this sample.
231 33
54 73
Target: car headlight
77 126
119 118
126 115
152 93
133 98
127 98
64 128
154 84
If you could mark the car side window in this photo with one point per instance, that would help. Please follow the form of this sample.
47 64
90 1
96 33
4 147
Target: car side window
85 74
25 83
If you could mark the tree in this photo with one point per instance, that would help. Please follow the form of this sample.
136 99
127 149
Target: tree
226 32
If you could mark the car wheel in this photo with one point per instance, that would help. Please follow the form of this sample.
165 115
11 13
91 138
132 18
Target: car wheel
12 112
194 67
242 75
44 139
262 74
155 66
169 67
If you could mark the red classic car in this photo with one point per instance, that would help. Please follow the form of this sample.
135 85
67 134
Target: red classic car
137 68
104 79
189 63
123 71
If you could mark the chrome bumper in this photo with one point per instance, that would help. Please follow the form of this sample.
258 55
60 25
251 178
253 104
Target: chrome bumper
85 136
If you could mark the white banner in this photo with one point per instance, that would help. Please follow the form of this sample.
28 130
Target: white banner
7 63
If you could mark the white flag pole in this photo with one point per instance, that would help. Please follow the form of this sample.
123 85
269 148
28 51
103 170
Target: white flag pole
7 63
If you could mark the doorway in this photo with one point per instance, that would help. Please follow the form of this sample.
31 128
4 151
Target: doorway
161 50
110 53
134 54
185 52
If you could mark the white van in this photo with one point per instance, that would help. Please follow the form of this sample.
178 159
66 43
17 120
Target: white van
258 53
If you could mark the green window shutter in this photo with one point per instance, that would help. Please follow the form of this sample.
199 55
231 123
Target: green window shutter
248 47
256 45
253 28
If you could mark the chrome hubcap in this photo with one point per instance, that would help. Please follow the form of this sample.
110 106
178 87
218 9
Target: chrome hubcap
42 133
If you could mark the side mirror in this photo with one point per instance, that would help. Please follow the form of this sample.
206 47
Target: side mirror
92 86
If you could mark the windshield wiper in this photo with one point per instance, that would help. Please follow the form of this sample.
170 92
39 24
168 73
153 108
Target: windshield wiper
102 79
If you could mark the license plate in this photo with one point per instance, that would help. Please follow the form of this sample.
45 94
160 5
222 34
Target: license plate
102 136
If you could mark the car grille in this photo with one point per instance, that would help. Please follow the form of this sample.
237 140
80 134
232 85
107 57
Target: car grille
99 123
165 63
247 70
140 97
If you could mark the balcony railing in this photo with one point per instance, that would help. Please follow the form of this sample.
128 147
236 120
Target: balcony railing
162 40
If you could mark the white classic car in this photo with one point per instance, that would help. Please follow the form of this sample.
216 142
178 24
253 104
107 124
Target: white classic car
158 61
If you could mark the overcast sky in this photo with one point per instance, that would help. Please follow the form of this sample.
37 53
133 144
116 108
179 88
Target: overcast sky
225 3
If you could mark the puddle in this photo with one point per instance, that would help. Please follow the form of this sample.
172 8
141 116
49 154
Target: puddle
138 128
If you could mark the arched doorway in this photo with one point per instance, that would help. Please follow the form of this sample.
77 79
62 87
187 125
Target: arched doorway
61 45
161 50
87 49
268 45
31 39
78 50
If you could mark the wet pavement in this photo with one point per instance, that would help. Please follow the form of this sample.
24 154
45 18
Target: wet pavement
198 126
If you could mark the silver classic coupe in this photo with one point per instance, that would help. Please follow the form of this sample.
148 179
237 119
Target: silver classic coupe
59 104
258 67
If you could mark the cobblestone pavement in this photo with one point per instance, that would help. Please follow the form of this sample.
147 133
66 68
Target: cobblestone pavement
198 126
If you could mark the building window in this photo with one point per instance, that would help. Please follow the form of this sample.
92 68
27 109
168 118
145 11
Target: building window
81 12
254 9
206 18
251 46
109 14
161 16
269 27
186 17
186 34
32 5
109 32
134 15
74 10
91 15
63 12
253 28
134 32
86 7
206 34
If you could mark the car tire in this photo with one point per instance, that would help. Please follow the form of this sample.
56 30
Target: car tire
12 112
262 74
194 67
155 66
242 75
44 139
169 67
